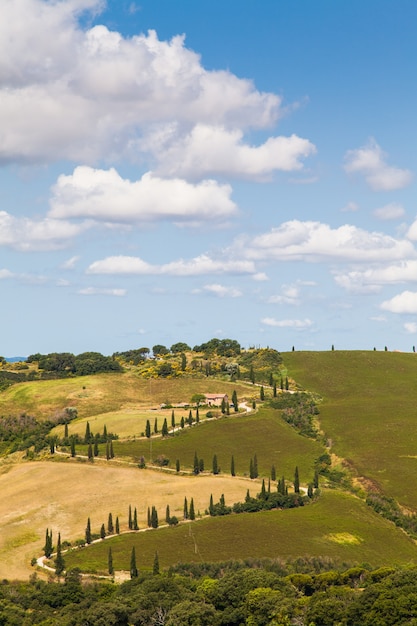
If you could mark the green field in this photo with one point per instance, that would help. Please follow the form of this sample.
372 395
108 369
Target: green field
338 526
264 433
368 412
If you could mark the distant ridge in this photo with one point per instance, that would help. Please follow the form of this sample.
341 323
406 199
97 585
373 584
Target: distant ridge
15 359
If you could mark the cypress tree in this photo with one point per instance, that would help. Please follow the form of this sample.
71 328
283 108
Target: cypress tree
167 514
296 481
316 480
154 518
252 375
177 465
130 522
247 497
102 531
107 451
269 485
183 362
235 401
59 560
66 431
223 406
192 512
155 569
263 490
253 404
87 436
287 385
155 426
197 416
282 384
48 547
88 532
232 466
96 448
110 563
72 444
135 525
111 450
90 453
275 389
273 473
173 419
271 380
105 433
201 465
251 472
149 518
110 527
190 417
133 569
255 466
52 445
185 508
164 431
215 465
211 505
310 490
227 408
117 526
196 464
262 393
182 422
148 429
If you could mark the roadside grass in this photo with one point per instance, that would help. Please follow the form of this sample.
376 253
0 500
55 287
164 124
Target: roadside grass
61 496
338 526
103 393
263 433
368 412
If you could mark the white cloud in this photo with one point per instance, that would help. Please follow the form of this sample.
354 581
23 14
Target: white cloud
370 161
260 277
391 211
405 302
371 279
197 266
296 324
210 150
69 93
411 327
290 295
350 207
315 241
25 234
412 231
70 263
95 291
105 195
5 274
220 291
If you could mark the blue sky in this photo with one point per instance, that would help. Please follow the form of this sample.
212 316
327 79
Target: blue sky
177 171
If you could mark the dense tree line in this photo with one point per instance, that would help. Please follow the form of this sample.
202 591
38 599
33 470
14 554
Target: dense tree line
252 592
65 363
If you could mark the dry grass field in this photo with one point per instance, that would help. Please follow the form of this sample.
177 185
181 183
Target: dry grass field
62 495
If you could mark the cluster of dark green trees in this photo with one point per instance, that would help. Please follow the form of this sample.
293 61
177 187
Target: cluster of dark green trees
257 593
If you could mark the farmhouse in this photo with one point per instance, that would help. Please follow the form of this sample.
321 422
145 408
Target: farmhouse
216 399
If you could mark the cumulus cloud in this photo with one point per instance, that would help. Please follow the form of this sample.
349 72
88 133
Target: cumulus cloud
214 150
391 211
296 324
25 234
105 195
411 327
370 160
221 291
69 93
96 291
315 241
5 274
405 302
371 279
412 231
290 295
350 207
197 266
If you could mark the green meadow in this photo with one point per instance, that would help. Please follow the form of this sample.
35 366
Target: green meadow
338 526
368 412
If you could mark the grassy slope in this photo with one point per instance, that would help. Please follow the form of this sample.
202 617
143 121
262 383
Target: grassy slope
337 526
368 412
263 433
93 395
40 495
